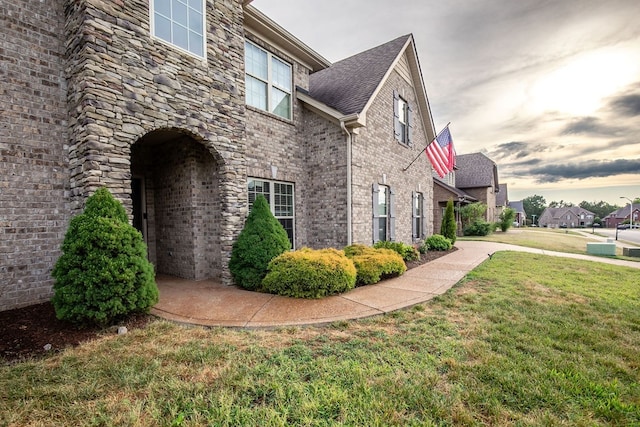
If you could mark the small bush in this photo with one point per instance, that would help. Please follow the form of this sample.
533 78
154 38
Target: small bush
103 273
308 273
262 239
423 248
478 228
407 252
438 242
373 264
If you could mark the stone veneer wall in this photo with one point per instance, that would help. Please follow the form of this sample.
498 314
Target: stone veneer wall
376 152
33 147
123 84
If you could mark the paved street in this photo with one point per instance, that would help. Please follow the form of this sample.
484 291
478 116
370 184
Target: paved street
632 236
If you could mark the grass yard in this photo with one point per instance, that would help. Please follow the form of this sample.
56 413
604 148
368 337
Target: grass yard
542 238
524 340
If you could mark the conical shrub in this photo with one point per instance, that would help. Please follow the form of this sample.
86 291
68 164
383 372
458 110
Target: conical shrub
103 273
262 239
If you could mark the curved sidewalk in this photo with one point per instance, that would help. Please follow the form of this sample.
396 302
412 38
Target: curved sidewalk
209 303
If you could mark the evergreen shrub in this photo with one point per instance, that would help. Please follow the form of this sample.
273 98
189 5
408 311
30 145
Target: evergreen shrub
308 273
262 239
103 273
479 228
374 264
449 227
438 242
407 252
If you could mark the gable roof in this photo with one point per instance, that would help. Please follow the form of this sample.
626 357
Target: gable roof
558 213
501 197
348 87
476 170
518 206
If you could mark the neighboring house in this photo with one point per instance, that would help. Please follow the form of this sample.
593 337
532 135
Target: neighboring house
477 175
521 215
567 217
187 127
621 215
442 193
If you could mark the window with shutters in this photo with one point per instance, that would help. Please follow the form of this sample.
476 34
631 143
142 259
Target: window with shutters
268 81
418 216
383 213
180 23
402 116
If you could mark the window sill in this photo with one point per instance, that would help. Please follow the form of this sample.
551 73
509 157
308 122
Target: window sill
271 115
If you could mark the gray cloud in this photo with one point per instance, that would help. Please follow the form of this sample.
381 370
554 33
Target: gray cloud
584 170
589 126
628 105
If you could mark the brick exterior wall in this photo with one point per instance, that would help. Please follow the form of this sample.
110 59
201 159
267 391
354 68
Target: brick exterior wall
97 101
487 196
376 152
33 144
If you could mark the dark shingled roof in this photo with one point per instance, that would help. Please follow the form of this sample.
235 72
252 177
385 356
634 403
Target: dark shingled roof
456 191
348 85
475 170
517 206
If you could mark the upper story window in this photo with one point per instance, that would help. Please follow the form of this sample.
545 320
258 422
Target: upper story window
402 116
268 81
181 23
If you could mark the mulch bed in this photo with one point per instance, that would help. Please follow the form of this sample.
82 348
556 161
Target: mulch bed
25 332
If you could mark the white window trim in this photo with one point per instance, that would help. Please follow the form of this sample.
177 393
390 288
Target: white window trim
271 202
270 84
152 27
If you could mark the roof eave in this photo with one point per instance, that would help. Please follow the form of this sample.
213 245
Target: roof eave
263 27
354 120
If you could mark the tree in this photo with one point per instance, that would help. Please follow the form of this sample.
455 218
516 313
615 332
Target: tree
449 226
472 212
506 218
560 204
262 239
534 205
103 273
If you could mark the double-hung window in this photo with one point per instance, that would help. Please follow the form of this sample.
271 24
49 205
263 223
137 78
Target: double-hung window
418 216
268 81
383 213
402 116
279 195
180 23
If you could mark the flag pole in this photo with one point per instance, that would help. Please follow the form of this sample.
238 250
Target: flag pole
426 146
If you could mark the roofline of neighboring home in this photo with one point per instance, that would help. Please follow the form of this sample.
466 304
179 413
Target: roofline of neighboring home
351 120
462 195
260 25
421 92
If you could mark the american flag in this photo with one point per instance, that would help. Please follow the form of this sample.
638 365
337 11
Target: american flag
441 153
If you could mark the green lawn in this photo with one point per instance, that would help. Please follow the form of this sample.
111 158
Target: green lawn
524 340
547 239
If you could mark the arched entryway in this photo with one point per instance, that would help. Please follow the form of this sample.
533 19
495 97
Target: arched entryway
175 193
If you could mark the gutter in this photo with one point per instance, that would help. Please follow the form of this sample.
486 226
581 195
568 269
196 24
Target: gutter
349 202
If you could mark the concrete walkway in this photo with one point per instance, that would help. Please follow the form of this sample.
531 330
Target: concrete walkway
209 303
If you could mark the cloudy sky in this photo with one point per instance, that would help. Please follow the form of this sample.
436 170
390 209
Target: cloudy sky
549 89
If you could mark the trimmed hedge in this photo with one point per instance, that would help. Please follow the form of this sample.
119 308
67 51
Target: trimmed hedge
438 242
407 252
261 240
373 264
308 273
103 273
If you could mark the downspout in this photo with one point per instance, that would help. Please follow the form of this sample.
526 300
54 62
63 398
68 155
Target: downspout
349 204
